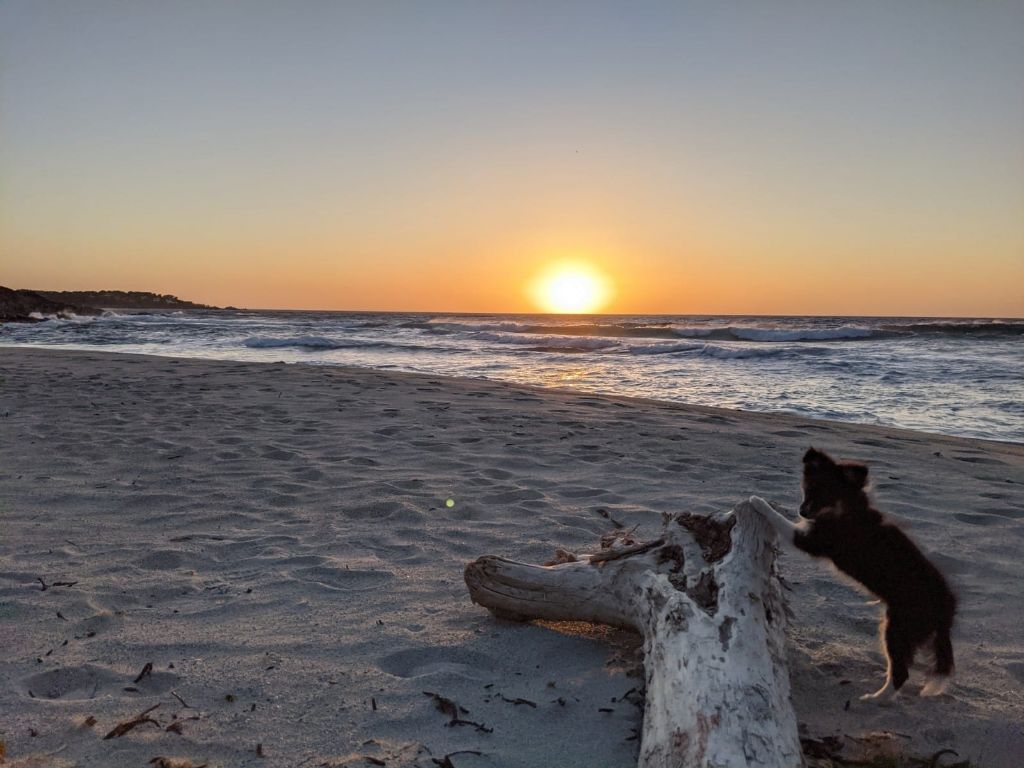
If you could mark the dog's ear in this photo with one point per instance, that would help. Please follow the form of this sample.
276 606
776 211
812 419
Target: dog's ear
815 460
855 474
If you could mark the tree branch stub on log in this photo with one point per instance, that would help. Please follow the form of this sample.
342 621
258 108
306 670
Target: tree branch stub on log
707 601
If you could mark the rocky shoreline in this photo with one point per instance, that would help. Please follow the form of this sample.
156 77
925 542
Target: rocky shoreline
30 307
26 306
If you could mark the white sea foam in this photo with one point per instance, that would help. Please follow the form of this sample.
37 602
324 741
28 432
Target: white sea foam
665 349
456 324
718 351
696 333
70 317
802 334
956 376
546 341
309 342
741 353
743 333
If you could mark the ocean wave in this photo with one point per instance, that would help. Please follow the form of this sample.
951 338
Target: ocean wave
322 343
782 333
725 352
967 327
158 318
576 344
541 342
634 330
803 334
307 342
61 318
741 353
608 330
664 349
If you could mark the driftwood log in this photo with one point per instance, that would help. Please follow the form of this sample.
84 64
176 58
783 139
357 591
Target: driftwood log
709 605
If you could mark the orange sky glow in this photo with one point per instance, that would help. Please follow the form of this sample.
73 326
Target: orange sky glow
688 155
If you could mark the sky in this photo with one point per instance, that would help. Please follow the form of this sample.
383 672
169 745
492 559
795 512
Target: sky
704 157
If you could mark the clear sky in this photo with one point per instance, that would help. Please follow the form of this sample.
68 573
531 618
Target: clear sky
709 157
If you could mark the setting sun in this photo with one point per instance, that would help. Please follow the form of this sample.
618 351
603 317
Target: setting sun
571 289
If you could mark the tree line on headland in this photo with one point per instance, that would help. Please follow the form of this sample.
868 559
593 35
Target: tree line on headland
27 306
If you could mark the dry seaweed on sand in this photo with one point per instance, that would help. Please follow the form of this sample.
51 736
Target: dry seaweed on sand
174 762
446 705
827 753
446 761
140 719
453 711
146 671
936 761
54 584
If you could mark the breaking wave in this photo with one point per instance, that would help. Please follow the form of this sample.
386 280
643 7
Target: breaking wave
307 342
954 375
969 328
556 343
719 351
758 333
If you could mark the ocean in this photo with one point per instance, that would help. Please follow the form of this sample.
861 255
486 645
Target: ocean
960 377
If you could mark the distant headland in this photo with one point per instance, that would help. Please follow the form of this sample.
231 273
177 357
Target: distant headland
26 306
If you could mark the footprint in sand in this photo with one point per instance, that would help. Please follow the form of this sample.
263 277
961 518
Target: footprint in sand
496 474
582 493
420 662
1013 513
979 460
69 683
88 681
342 579
977 519
161 560
309 474
97 624
395 511
948 563
871 443
277 454
1016 668
362 461
512 496
715 420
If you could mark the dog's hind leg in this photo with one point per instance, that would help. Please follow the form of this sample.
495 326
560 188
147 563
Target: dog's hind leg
899 654
887 691
939 678
900 650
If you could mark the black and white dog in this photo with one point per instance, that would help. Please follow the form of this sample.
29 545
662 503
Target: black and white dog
838 522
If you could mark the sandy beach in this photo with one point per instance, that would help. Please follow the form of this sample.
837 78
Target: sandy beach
265 551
